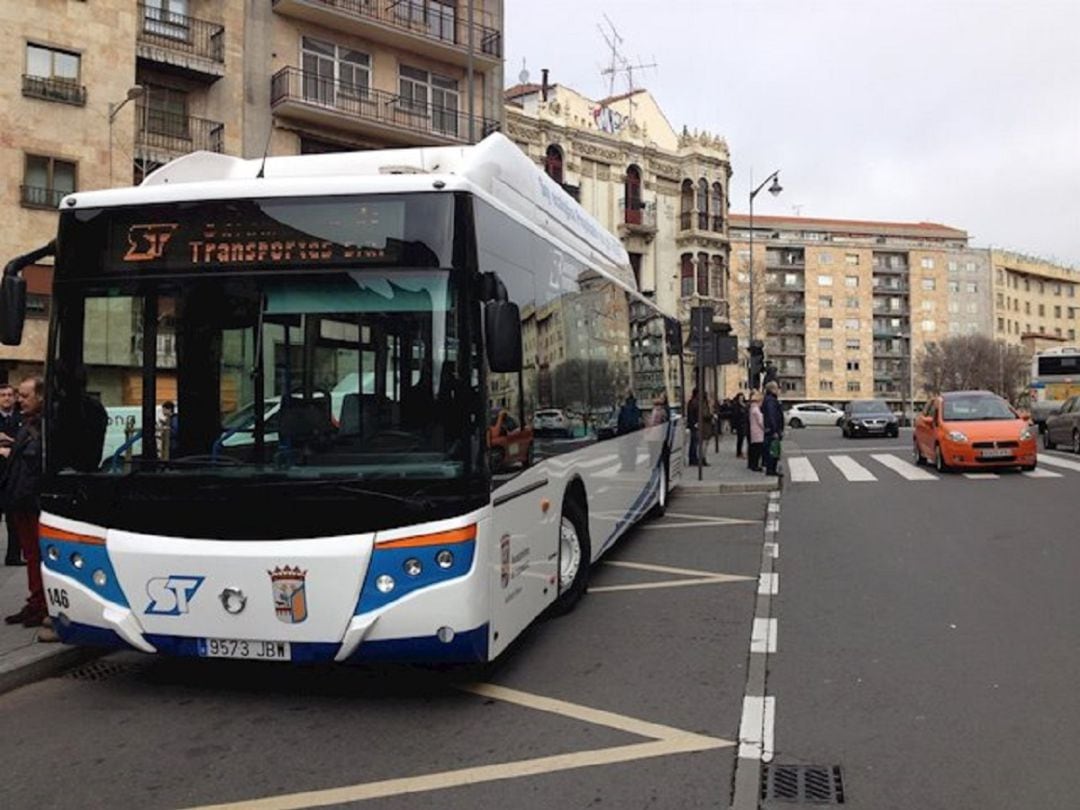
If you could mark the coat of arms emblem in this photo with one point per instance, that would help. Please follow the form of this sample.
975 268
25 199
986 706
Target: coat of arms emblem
290 599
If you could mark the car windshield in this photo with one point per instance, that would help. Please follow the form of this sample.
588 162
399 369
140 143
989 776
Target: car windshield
976 408
864 408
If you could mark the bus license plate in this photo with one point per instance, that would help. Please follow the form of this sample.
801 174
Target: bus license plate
995 453
245 649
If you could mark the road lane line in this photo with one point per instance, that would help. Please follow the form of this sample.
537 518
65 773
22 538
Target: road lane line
981 476
1054 461
697 524
718 579
905 468
663 569
851 469
756 726
767 724
768 584
763 636
1040 473
800 469
773 550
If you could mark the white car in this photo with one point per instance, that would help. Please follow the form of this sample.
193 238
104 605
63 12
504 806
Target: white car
551 422
813 413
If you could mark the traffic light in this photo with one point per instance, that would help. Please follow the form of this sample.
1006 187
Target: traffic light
757 363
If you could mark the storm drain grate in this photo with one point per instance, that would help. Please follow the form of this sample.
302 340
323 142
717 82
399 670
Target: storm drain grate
98 671
803 784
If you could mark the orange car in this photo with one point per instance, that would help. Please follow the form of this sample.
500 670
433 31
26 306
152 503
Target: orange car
509 443
974 429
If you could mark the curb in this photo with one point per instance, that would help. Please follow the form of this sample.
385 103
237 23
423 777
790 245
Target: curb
33 663
730 486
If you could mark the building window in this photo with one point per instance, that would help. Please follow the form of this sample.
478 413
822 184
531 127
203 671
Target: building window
825 364
852 324
1057 311
852 386
852 365
852 303
53 75
1057 289
927 264
954 286
703 274
929 284
824 323
703 204
417 88
824 281
928 326
1072 334
1042 310
971 287
718 282
1072 291
825 385
686 205
852 344
337 76
851 281
972 307
953 267
825 344
824 257
1001 324
46 180
928 306
851 258
954 306
824 302
437 16
632 196
553 163
686 275
717 207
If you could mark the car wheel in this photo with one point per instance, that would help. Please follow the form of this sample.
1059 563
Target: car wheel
917 453
1076 442
1027 468
939 460
1047 442
574 557
840 422
795 422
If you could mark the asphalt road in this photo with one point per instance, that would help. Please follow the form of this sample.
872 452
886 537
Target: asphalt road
927 628
632 701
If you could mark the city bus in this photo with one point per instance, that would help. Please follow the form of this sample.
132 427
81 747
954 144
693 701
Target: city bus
1055 376
337 333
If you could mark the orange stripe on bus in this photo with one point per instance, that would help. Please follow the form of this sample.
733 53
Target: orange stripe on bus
437 539
52 533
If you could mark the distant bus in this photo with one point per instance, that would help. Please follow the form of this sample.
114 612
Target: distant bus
1055 376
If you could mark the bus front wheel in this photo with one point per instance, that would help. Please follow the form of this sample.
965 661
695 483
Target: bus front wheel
574 557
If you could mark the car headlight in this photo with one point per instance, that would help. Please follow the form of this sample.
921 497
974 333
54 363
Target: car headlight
956 436
1026 433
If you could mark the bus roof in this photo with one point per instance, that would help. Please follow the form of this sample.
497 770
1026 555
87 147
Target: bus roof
494 168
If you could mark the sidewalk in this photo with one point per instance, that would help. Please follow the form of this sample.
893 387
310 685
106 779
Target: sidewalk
22 659
725 472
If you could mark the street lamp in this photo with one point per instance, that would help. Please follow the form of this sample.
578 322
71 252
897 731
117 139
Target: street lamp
134 92
774 189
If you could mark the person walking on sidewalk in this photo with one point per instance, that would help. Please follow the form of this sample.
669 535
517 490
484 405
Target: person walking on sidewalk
773 414
10 420
693 408
756 425
739 422
22 502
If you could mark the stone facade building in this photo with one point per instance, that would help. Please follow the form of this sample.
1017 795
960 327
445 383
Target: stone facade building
97 94
1036 302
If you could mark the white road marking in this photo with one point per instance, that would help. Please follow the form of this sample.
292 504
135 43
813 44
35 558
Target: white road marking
703 523
905 468
718 579
767 724
768 584
1040 473
772 525
852 470
774 506
981 476
1055 461
763 636
773 550
664 741
757 711
852 448
800 469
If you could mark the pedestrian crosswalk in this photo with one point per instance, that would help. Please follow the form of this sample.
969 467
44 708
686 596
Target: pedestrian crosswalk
883 466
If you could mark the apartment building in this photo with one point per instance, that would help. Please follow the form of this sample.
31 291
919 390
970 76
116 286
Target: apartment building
1036 302
98 94
843 306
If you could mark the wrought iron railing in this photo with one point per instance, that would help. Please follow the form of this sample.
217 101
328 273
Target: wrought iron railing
174 132
367 104
638 213
53 89
37 197
436 21
178 32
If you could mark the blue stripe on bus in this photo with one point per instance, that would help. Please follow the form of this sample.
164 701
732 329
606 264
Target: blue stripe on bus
637 508
95 558
466 647
391 561
87 635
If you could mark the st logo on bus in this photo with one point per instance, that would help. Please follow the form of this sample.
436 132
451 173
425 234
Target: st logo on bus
171 596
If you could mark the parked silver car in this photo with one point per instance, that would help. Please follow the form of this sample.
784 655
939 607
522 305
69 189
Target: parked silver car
813 413
1063 427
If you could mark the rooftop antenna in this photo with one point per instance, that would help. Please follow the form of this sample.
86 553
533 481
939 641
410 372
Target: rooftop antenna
523 77
619 64
797 209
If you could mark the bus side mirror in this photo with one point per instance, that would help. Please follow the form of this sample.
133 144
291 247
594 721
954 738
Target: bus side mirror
12 309
502 333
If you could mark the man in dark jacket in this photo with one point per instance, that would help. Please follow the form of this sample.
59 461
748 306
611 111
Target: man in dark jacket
10 420
22 501
629 415
773 416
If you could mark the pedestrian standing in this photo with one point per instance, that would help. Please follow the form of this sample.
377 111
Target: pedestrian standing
692 409
706 426
22 502
756 425
10 420
773 414
739 422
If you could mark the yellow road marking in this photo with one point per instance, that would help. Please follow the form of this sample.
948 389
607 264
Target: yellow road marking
672 583
663 569
665 741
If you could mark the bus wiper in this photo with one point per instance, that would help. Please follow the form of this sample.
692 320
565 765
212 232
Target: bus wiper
414 500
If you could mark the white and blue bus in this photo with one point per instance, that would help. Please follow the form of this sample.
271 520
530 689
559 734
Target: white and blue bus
1055 376
356 345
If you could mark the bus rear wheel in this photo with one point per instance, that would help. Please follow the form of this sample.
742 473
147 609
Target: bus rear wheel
574 558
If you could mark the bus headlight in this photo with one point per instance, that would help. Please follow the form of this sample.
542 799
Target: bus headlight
412 567
53 553
385 583
445 558
77 560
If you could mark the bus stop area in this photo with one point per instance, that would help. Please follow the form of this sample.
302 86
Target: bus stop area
632 699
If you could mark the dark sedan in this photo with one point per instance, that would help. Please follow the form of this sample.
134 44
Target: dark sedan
869 417
1063 427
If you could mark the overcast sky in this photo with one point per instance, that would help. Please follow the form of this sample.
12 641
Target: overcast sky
963 112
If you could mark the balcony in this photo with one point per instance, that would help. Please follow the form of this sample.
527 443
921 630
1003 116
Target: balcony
637 218
162 136
773 328
887 269
787 307
573 191
775 260
44 198
880 330
779 285
182 45
879 287
305 97
52 89
784 350
432 29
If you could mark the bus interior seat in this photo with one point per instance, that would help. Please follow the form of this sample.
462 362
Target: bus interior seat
304 420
